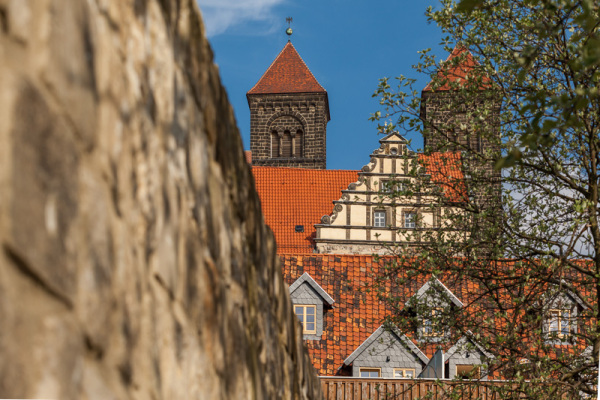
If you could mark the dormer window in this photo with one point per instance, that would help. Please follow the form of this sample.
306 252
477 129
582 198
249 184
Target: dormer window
404 373
431 326
310 303
559 323
307 314
560 316
379 219
431 303
370 372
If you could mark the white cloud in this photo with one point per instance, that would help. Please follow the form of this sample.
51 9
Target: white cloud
220 15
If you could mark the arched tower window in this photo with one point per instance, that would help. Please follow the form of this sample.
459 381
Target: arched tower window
275 144
287 137
299 144
286 144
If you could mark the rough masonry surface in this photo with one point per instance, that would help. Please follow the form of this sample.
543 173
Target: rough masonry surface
135 263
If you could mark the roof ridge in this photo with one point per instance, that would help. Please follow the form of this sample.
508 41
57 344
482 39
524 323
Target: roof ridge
306 86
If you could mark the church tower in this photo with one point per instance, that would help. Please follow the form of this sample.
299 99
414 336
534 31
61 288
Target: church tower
289 111
460 113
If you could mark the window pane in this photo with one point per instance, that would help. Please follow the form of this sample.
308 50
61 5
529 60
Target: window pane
409 373
553 323
410 220
369 373
310 326
310 318
564 325
379 219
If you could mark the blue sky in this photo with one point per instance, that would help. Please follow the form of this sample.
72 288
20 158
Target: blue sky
348 45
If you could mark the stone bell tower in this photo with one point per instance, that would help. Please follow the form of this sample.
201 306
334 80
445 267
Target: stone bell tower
289 111
461 114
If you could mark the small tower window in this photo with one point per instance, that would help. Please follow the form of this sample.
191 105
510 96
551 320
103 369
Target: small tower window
286 144
275 144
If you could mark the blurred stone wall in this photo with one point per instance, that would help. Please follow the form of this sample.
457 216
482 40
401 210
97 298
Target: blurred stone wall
134 260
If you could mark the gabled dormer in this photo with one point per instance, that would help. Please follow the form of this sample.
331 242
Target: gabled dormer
310 302
432 307
397 199
562 308
387 353
467 359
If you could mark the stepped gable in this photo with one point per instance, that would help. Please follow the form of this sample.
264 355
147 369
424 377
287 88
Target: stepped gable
287 74
293 197
457 73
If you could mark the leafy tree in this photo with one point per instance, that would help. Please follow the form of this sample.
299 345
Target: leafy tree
532 99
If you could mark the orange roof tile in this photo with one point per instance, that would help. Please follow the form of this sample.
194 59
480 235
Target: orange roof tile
248 156
357 311
297 196
457 73
446 170
287 74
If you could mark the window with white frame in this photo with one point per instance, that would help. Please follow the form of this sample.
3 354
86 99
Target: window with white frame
386 186
404 373
370 372
430 326
559 323
379 218
410 220
307 315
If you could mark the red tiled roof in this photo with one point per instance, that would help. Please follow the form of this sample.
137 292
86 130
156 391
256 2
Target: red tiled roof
358 311
296 196
287 74
457 73
248 156
446 170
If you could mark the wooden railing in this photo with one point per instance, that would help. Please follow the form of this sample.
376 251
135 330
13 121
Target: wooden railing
351 388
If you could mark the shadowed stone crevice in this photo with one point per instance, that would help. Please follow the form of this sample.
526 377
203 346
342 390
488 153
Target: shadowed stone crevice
23 266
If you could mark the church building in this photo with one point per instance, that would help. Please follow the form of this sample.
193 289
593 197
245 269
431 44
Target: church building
330 225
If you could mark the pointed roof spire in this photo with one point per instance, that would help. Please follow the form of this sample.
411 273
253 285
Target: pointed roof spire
451 72
287 74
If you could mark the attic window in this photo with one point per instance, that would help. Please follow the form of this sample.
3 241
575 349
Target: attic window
468 372
404 373
558 323
307 314
299 228
370 372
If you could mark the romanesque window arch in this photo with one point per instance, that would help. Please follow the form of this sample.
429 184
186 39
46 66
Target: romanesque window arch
287 137
286 144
